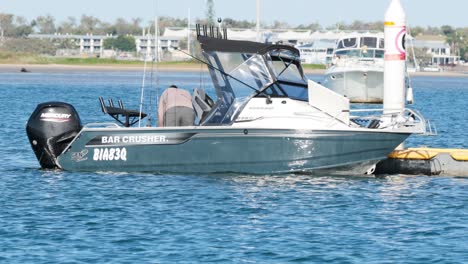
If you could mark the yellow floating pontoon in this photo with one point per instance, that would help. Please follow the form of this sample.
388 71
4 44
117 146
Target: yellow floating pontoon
428 153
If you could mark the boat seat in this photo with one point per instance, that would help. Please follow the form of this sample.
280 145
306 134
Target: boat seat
202 103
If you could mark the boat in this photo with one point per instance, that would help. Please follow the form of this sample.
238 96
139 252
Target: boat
357 67
317 52
266 118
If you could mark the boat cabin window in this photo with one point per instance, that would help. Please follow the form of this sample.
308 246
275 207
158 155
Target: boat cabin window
369 42
285 66
295 91
285 89
239 76
379 54
217 74
368 53
347 43
230 60
350 53
253 72
273 91
291 83
288 72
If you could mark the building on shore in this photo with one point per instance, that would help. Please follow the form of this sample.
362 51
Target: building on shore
93 45
437 48
315 47
89 44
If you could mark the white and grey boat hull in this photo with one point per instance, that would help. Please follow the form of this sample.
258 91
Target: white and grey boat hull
214 150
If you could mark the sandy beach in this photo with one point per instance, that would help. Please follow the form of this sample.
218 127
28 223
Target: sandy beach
183 68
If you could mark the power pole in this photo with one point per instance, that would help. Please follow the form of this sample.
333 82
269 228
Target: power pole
210 13
188 33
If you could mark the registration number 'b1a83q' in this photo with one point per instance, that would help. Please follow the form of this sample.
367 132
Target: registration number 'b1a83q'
108 154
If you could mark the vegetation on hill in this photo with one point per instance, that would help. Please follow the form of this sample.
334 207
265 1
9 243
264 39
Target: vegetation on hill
122 43
18 27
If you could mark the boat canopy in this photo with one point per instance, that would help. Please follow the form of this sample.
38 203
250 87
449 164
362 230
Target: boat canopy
241 70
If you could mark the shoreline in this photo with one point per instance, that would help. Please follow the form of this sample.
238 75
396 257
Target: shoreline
48 68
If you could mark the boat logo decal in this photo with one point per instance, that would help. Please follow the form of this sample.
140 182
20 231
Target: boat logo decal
80 156
109 154
55 117
139 139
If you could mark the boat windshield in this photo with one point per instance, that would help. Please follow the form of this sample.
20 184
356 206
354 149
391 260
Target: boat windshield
363 47
347 43
238 77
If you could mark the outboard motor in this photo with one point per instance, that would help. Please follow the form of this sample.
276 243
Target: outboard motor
51 127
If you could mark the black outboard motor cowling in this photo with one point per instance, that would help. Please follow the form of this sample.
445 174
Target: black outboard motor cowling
51 127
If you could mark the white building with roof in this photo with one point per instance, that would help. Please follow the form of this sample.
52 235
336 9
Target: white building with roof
439 50
86 44
93 45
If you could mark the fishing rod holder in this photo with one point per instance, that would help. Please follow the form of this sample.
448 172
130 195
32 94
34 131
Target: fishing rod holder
211 31
130 117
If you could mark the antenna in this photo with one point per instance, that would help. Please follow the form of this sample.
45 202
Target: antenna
218 30
156 55
144 78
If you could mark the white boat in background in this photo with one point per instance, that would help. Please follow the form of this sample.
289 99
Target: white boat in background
357 68
317 52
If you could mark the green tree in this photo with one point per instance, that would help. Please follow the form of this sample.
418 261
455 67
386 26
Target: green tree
6 24
46 24
231 23
447 30
280 24
312 27
23 31
416 31
27 45
89 24
68 26
122 43
21 28
123 27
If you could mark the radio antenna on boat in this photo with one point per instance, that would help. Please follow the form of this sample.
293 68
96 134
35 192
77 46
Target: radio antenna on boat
156 53
143 81
154 75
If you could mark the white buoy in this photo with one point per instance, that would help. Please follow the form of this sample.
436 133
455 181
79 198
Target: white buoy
395 56
409 96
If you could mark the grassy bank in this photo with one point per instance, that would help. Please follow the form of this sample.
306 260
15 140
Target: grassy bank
26 58
314 66
32 59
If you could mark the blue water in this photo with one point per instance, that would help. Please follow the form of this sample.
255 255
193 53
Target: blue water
67 217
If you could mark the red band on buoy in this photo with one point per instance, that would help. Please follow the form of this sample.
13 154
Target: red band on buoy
392 57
